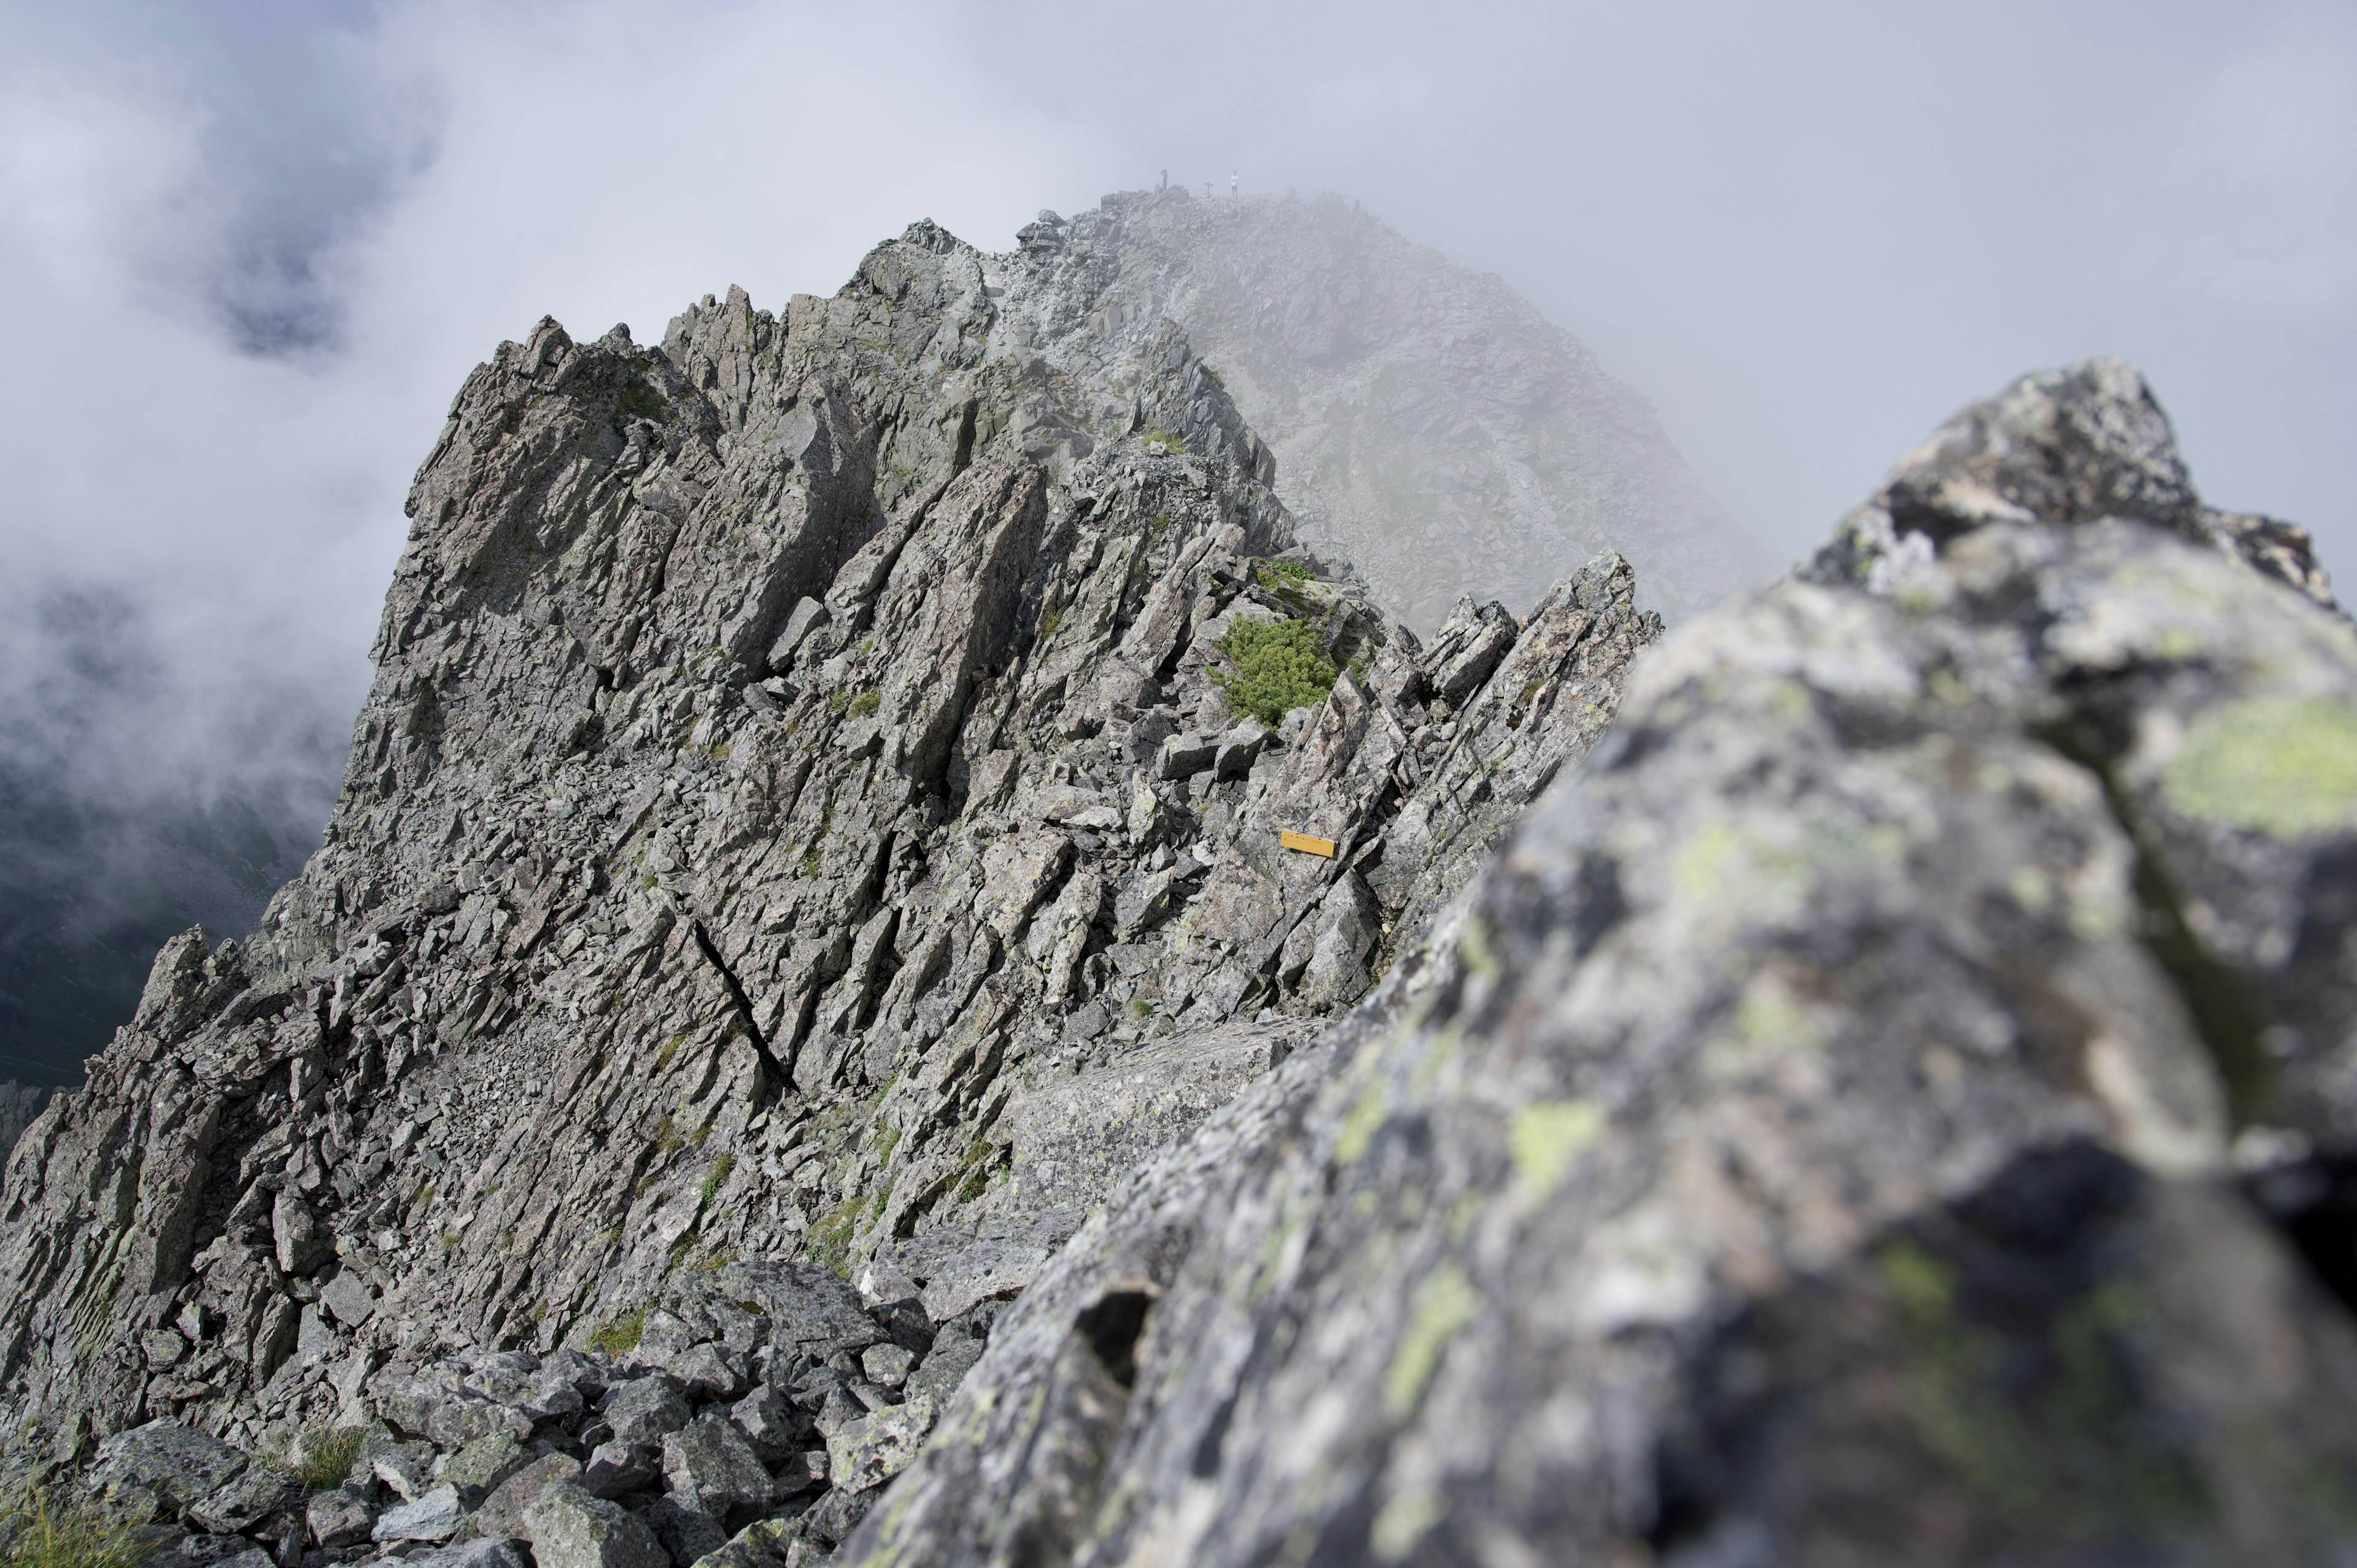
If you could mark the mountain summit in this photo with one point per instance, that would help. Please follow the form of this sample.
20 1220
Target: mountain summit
1427 422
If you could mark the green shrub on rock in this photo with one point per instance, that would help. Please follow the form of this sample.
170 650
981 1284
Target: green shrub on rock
1278 668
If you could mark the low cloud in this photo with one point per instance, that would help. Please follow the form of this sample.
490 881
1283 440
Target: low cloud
251 248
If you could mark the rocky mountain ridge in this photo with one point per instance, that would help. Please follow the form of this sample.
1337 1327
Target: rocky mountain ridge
808 837
901 975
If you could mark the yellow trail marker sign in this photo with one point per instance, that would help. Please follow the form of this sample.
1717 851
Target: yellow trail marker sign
1305 844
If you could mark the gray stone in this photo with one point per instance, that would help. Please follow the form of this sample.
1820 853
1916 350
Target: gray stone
937 1377
570 1529
480 1551
769 1423
688 1531
434 1516
481 1466
303 1244
799 1473
502 1513
175 1464
340 1516
873 1448
1239 748
764 1543
643 1410
406 1467
1184 754
985 1270
347 1299
707 1372
314 1341
712 1464
887 1364
245 1501
617 1468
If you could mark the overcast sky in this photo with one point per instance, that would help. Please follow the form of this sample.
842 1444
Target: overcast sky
250 247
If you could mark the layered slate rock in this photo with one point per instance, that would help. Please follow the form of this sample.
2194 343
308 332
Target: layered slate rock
1428 423
801 770
1891 1105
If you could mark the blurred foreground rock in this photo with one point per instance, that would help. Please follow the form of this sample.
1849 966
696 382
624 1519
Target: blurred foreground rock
1894 1105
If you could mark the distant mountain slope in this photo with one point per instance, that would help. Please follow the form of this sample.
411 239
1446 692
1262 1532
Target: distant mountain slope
1428 423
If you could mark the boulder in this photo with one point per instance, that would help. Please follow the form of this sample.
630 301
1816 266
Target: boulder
870 1450
645 1410
347 1299
245 1501
616 1468
713 1464
570 1529
339 1517
480 1551
503 1513
1823 1126
434 1516
770 1423
481 1466
174 1464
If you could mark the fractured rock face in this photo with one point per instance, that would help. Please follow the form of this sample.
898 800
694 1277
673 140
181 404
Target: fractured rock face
1889 1105
818 819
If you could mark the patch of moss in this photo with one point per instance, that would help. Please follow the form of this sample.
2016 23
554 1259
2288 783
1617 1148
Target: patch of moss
866 703
640 398
1278 668
831 1237
619 1336
716 1177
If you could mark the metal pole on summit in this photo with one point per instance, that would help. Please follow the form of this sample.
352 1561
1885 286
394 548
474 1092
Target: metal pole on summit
1166 181
1232 187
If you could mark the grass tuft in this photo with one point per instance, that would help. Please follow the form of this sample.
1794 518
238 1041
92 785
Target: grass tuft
619 1336
40 1534
330 1460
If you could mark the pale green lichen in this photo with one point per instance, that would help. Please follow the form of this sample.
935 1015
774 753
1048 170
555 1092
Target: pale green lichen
1403 1521
2286 767
1546 1135
1359 1124
1722 862
1445 1303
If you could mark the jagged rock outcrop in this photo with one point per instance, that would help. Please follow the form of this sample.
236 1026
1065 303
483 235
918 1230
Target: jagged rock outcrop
1892 1105
1428 423
799 837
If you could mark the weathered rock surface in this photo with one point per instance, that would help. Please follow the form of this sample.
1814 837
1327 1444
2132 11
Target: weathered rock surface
1426 422
765 917
1889 1106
